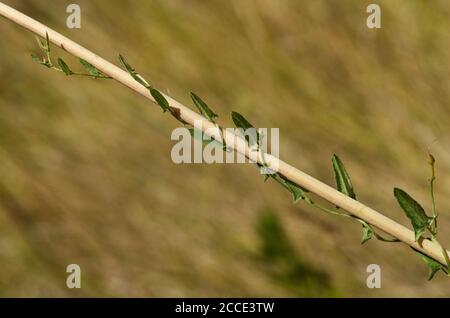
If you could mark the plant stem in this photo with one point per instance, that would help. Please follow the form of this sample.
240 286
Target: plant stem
334 212
81 74
433 202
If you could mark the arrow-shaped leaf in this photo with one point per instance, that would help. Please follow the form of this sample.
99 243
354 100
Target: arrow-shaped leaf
91 68
64 67
414 211
433 265
198 135
44 46
343 182
38 60
244 124
367 233
203 108
201 137
41 45
137 77
240 121
297 192
160 99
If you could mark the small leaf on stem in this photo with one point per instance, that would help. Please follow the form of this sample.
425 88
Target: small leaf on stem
90 68
35 58
367 233
64 67
137 77
200 136
203 108
44 46
433 265
414 211
240 121
160 99
343 182
41 45
297 192
244 124
40 61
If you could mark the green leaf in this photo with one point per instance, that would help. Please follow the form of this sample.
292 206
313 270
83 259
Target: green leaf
343 182
38 60
414 211
44 46
240 121
297 192
244 124
160 99
201 137
41 45
90 68
35 58
137 77
367 233
433 265
64 67
198 135
125 64
203 108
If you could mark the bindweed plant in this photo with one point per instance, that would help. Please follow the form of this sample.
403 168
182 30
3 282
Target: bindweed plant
422 223
424 226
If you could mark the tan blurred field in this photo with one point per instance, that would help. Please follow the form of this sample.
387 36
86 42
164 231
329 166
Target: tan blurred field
86 175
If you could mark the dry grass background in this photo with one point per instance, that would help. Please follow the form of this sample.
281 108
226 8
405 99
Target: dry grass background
86 175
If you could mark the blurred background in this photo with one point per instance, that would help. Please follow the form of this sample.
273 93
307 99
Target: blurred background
86 175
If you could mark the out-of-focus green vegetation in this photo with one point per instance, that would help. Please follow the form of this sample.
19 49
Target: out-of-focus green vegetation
282 262
85 169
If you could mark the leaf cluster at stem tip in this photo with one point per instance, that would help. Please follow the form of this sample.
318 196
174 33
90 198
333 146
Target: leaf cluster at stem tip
422 223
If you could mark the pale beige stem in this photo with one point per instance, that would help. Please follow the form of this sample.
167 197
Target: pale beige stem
315 186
